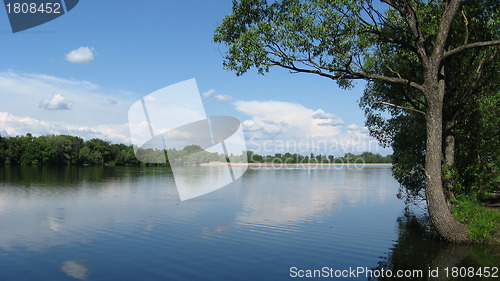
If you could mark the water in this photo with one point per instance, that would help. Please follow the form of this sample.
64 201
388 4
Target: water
116 223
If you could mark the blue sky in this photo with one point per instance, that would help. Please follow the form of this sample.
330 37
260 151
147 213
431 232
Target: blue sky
80 73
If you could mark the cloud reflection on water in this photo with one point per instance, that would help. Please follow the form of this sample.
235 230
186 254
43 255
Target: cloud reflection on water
78 212
76 269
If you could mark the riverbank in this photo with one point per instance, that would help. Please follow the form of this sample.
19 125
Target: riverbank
254 164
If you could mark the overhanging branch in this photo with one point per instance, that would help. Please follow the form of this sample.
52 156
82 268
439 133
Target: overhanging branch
391 79
347 73
469 46
397 106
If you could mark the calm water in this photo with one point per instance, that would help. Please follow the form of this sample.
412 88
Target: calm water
100 223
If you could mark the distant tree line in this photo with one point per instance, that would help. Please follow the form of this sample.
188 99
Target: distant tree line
54 150
348 158
60 150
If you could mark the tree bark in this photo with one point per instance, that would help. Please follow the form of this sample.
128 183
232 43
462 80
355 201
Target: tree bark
434 89
449 141
449 157
442 219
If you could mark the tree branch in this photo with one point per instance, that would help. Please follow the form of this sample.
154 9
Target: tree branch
397 106
393 40
304 70
479 71
469 46
390 79
466 27
444 29
349 74
374 28
408 14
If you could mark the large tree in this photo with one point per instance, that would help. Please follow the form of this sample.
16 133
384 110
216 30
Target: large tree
470 111
339 39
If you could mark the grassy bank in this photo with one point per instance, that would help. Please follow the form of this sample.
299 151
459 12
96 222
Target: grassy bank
482 222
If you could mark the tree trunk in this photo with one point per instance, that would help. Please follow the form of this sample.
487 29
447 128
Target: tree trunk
449 141
449 157
442 219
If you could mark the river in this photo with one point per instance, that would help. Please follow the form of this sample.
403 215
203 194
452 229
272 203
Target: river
273 223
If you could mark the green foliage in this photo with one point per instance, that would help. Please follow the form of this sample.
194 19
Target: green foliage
348 158
62 150
478 150
481 221
193 155
471 104
318 36
59 150
3 152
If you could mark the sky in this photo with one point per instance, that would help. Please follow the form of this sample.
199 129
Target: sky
80 74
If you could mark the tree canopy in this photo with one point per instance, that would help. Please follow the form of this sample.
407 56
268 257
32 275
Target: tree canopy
55 150
342 39
404 44
469 115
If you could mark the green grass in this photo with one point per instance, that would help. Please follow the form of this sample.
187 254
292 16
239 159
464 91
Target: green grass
481 221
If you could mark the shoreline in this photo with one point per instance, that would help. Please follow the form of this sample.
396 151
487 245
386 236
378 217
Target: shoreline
215 164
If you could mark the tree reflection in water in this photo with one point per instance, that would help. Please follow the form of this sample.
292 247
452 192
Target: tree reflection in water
418 248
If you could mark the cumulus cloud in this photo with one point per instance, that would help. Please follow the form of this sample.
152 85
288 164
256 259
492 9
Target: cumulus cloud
290 127
224 98
332 124
326 119
13 125
56 102
81 55
320 114
17 125
288 119
208 93
96 105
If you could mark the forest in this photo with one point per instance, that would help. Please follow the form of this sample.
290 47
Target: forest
60 150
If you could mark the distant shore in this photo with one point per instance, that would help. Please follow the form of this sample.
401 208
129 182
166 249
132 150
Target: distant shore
214 164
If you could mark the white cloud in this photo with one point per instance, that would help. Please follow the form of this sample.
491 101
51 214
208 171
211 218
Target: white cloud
81 55
91 105
56 102
224 98
290 127
15 125
320 114
12 125
95 111
208 93
52 80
